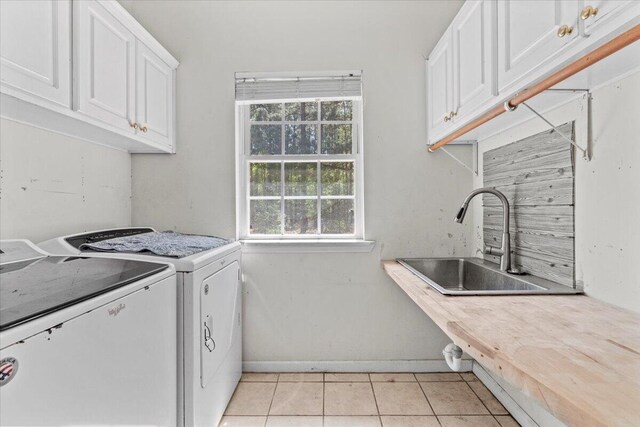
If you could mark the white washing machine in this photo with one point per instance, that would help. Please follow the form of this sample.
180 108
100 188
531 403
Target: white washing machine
85 341
209 321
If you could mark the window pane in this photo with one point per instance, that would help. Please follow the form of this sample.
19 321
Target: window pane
265 217
336 139
266 112
266 139
265 179
301 139
337 178
337 110
300 179
301 216
337 216
306 111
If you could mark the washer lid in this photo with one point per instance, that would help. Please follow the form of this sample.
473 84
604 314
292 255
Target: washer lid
33 288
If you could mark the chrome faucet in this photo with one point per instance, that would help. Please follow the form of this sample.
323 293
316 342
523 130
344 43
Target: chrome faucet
504 251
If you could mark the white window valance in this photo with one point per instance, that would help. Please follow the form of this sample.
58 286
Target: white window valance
269 87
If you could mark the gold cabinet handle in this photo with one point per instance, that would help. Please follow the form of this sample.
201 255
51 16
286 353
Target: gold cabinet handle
587 12
134 125
450 116
564 30
144 129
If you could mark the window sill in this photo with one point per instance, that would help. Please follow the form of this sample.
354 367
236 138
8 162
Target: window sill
307 246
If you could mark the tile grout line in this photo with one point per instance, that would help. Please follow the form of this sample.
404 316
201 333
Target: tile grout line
375 399
482 401
272 397
451 415
425 396
324 390
508 414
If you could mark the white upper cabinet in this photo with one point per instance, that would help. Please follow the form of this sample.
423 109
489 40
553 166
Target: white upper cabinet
116 87
440 85
494 49
154 97
104 61
531 33
598 12
473 56
461 68
35 50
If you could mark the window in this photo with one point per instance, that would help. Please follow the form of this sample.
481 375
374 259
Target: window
300 158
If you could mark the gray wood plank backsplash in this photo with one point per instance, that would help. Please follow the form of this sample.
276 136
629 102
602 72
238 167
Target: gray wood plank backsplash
536 174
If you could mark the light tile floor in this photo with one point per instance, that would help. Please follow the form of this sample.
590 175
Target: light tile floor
364 400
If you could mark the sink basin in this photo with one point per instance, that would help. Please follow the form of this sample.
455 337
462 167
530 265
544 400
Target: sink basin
475 276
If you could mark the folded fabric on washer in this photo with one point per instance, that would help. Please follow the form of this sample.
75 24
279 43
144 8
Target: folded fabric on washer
165 243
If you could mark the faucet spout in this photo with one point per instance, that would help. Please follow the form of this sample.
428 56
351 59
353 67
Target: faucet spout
504 251
461 213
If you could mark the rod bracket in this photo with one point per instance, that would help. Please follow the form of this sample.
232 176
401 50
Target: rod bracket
508 107
585 153
474 168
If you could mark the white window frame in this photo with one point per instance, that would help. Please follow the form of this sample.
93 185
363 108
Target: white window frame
243 177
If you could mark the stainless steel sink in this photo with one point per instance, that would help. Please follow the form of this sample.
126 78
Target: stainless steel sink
475 276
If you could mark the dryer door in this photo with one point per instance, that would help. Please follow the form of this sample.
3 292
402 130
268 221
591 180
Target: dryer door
219 308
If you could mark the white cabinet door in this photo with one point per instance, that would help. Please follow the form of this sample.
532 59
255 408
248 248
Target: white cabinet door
595 13
35 50
440 87
528 36
474 79
104 66
154 96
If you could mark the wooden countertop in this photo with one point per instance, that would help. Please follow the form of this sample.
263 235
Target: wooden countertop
578 357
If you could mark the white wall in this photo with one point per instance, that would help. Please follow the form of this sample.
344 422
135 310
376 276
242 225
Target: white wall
53 185
608 198
607 189
328 307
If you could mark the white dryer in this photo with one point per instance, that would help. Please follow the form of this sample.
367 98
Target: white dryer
209 321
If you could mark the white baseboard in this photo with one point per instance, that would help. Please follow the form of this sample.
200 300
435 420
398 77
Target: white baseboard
353 366
510 405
